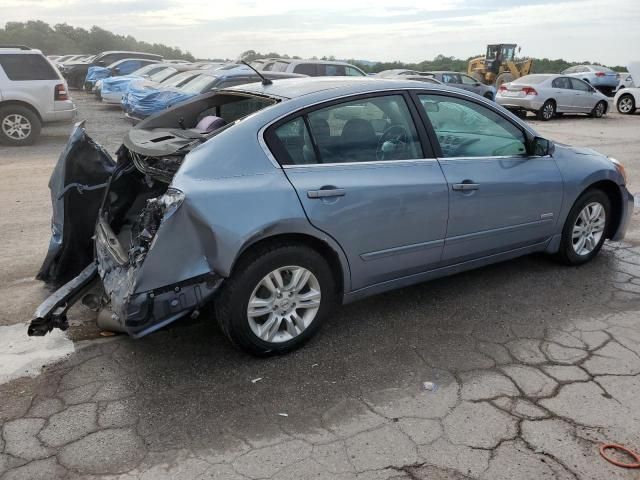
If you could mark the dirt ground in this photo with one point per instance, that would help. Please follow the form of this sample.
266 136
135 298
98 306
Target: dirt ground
529 365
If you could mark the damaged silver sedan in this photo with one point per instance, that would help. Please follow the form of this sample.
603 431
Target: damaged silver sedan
276 201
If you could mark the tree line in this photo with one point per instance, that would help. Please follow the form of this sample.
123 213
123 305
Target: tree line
65 39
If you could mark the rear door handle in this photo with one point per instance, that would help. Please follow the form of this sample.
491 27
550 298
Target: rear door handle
326 193
464 187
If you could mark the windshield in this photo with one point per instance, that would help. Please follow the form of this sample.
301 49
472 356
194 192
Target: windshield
198 84
146 69
162 74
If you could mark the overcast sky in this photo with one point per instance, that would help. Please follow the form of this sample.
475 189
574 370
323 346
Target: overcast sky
596 30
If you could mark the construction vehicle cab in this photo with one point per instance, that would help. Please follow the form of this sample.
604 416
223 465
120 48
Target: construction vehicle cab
499 65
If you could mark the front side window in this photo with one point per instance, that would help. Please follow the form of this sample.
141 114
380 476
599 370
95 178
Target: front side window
580 85
467 129
467 80
353 72
450 78
371 129
19 67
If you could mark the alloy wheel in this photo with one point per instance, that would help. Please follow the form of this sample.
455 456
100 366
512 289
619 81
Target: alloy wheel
599 110
588 228
625 104
283 304
16 126
547 111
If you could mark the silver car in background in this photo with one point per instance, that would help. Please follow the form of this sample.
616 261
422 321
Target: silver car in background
547 95
603 78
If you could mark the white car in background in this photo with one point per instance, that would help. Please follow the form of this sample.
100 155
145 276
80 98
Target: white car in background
32 93
627 100
549 94
625 81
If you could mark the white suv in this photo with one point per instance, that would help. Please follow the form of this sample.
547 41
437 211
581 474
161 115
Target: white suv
32 92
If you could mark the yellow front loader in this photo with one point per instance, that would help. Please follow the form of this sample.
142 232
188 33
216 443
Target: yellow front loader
499 65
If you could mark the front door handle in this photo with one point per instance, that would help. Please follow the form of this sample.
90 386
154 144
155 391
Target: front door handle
464 187
326 193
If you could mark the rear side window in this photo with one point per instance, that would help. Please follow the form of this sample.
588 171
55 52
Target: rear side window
371 129
27 67
305 69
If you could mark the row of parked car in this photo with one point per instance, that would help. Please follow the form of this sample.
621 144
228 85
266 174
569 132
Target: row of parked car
33 88
551 95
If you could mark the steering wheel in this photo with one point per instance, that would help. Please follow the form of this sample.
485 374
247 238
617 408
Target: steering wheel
393 143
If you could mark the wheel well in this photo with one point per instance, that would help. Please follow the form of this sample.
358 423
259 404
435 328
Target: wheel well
612 191
22 104
312 242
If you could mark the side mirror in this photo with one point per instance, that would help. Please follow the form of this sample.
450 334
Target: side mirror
101 63
541 147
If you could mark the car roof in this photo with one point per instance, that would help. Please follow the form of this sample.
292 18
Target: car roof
334 86
310 60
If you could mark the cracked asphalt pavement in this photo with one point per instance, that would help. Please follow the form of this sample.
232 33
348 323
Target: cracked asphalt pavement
518 370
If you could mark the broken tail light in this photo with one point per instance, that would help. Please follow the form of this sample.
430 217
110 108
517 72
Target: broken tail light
60 92
171 200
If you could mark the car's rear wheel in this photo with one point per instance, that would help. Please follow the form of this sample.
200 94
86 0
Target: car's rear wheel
599 110
626 104
18 125
276 299
585 229
547 111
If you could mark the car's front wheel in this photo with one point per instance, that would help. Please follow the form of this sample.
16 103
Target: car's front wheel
18 125
584 231
626 104
276 299
599 110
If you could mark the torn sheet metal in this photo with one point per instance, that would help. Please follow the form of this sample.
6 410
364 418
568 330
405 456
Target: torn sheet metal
77 187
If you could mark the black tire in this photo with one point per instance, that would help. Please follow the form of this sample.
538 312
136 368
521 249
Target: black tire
30 117
489 96
628 100
547 111
520 113
599 110
231 305
567 253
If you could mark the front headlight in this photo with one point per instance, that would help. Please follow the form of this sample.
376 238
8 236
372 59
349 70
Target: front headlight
620 168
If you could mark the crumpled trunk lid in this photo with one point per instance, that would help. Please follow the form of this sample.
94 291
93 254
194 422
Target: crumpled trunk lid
77 187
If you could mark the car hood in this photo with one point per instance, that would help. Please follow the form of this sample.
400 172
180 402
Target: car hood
634 69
